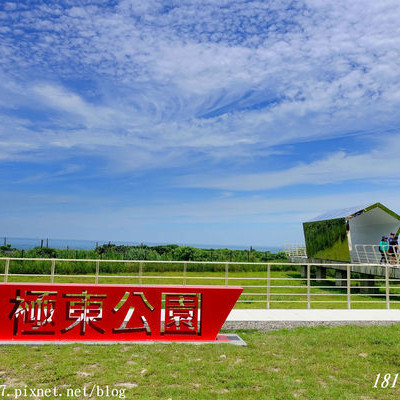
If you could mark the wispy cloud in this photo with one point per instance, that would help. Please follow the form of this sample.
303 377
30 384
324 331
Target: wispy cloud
218 95
336 168
254 219
238 74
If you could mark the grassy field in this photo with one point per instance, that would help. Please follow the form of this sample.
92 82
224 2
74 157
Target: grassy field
303 363
293 294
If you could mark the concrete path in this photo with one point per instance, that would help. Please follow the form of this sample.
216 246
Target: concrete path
313 315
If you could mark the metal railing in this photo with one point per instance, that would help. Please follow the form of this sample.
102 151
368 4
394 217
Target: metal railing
267 287
373 254
295 250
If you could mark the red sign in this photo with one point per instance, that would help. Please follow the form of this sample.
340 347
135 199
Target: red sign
69 312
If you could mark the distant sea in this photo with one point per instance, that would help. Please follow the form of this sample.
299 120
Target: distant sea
29 243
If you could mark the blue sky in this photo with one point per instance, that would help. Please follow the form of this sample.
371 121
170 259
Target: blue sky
215 122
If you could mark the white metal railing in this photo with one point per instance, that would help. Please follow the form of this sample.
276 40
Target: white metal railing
295 250
265 288
373 254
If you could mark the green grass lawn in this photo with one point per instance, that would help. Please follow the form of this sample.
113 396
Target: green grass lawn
294 295
302 363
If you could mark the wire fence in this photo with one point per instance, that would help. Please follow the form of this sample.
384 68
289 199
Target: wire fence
265 285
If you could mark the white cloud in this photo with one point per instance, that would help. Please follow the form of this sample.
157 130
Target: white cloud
336 168
197 77
197 85
252 220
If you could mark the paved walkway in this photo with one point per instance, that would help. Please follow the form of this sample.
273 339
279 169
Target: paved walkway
313 315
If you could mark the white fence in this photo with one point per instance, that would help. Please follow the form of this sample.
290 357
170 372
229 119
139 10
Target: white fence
274 285
361 254
295 250
372 254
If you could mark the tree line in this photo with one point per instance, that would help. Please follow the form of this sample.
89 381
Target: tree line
170 252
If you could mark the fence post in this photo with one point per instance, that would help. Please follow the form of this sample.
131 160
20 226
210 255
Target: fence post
7 267
308 286
387 283
268 286
366 253
375 253
358 255
226 273
53 268
348 287
97 272
140 272
184 273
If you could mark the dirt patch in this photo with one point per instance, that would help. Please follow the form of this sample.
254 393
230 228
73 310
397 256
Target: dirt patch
83 374
127 385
